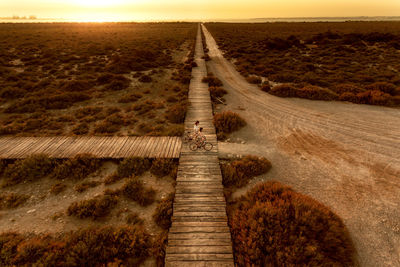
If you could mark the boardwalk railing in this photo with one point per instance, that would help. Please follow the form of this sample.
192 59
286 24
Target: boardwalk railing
199 235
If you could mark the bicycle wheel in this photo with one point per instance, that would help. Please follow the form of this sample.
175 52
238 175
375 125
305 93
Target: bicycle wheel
208 146
193 146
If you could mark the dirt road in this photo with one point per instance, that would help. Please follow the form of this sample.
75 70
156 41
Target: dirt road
347 156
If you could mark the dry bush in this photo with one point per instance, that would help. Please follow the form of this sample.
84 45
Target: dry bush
239 172
77 167
217 92
212 80
134 190
163 213
111 124
308 91
82 187
347 88
112 178
374 97
254 79
96 246
134 166
12 93
130 98
81 129
387 88
145 79
274 225
162 167
76 86
93 208
228 122
177 112
117 85
87 111
174 130
12 200
159 247
59 101
134 218
265 87
31 168
57 188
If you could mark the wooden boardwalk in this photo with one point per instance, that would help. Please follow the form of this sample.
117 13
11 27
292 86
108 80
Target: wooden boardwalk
199 235
101 147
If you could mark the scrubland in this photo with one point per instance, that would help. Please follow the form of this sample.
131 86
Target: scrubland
344 61
94 79
85 211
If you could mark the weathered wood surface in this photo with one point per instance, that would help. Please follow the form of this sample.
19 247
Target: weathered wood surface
101 147
199 235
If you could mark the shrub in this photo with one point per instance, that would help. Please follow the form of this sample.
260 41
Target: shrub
228 122
274 224
347 88
374 97
239 172
174 130
387 88
177 112
145 79
265 87
93 208
163 213
212 80
57 188
133 218
94 246
134 190
217 92
12 93
31 168
12 200
308 92
130 98
162 167
82 187
81 128
76 86
117 85
77 167
159 247
133 166
112 178
254 79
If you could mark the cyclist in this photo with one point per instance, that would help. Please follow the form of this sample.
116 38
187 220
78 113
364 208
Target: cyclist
200 138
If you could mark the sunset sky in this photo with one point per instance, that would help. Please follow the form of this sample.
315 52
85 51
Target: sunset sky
123 10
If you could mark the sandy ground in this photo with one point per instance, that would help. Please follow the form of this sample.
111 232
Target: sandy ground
346 156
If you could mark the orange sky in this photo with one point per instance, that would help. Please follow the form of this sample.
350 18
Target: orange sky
195 9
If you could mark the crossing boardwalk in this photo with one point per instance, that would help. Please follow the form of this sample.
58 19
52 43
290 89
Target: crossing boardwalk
101 147
199 235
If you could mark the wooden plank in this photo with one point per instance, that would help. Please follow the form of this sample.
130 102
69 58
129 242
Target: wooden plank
118 146
171 147
180 263
99 145
21 148
139 146
150 148
201 257
199 249
54 153
53 145
197 229
133 141
65 147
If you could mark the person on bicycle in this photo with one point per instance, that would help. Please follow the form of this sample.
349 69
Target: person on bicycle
196 130
200 138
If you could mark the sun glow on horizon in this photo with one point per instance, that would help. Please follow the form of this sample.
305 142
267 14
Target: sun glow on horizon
100 3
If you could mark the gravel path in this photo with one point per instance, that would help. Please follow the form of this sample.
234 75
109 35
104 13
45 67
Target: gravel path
345 155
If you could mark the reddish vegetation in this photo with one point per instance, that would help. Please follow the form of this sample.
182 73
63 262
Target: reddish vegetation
88 247
349 61
239 172
274 225
227 122
47 70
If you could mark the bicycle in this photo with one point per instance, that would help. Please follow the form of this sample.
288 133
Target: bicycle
188 137
196 145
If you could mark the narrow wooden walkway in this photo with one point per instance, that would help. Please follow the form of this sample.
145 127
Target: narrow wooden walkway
199 235
101 147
